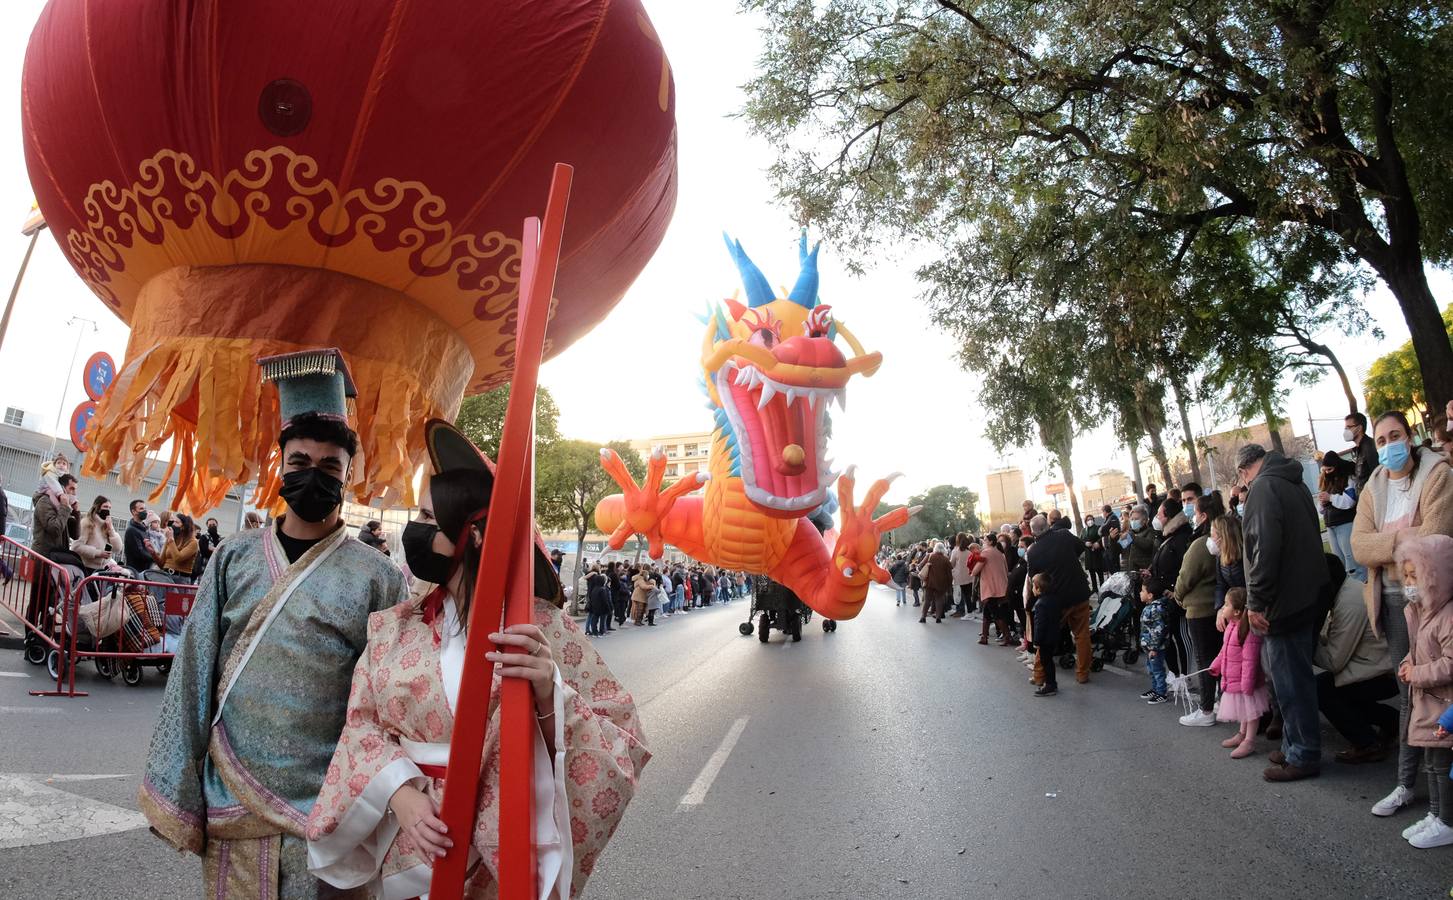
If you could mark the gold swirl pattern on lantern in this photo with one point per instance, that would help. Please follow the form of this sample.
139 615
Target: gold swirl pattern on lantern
277 208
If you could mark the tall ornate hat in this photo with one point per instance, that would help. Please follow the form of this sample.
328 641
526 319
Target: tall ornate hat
311 381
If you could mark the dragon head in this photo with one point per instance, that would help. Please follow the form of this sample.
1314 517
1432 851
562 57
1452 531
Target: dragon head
771 368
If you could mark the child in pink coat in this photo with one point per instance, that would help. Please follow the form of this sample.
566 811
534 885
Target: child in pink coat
1243 687
1427 567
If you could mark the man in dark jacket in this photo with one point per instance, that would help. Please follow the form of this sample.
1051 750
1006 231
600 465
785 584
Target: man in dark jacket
207 543
1286 580
139 556
54 522
1056 552
1356 434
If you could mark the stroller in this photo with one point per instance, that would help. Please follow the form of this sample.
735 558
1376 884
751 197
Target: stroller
1113 628
111 623
84 624
1113 617
46 612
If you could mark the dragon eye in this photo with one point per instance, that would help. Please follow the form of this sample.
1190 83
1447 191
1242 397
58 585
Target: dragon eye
819 322
766 328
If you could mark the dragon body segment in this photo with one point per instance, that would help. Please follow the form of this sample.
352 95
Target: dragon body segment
771 370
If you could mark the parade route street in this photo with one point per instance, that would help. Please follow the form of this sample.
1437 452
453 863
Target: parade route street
890 759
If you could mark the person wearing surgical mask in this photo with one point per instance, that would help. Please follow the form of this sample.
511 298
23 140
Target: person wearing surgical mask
1355 434
1190 493
1139 542
265 666
1409 494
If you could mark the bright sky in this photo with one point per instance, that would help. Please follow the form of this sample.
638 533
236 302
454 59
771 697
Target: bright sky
635 375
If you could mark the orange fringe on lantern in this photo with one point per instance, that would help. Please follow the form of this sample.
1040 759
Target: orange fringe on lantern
203 392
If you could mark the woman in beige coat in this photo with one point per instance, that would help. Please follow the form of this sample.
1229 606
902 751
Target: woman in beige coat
1409 494
98 541
643 586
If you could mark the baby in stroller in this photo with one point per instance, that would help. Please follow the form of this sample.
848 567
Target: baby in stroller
1115 626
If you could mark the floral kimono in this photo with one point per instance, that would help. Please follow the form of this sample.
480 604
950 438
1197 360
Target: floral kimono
400 718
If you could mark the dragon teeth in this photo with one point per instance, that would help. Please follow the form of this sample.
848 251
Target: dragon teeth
768 392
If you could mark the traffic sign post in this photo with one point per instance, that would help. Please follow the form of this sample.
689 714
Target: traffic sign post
80 420
100 371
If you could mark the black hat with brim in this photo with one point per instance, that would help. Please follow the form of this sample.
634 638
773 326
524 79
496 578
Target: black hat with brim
450 450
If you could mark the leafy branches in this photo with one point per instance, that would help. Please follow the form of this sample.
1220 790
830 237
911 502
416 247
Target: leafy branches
948 121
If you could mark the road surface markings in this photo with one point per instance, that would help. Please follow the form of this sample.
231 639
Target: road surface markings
32 813
39 710
14 674
1116 670
697 795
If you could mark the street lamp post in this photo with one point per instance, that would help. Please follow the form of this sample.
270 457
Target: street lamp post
15 289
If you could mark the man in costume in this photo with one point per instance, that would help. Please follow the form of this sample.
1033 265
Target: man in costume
258 691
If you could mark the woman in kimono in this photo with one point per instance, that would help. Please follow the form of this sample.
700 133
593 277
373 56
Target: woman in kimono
376 822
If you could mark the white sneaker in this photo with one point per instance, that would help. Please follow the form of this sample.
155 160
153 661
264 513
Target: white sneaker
1436 834
1393 802
1412 830
1199 718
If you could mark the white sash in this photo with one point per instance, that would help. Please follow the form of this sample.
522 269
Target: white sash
335 541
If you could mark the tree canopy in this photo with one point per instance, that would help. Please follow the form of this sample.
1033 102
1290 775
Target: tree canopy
1393 381
1195 188
946 510
482 419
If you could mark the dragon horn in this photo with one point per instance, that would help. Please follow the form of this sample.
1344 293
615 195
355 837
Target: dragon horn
805 292
759 292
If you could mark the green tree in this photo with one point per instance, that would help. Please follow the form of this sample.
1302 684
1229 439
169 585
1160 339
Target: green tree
1393 381
947 509
482 418
569 482
915 118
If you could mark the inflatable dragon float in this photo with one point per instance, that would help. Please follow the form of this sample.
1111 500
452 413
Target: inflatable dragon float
771 368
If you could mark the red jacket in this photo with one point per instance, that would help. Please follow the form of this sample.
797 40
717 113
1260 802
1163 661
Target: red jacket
1238 664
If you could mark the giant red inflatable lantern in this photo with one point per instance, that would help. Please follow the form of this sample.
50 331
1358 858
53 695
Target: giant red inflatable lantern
240 178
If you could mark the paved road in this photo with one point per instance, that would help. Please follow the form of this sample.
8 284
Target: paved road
890 759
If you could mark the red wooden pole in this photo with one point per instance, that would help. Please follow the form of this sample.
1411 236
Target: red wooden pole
505 570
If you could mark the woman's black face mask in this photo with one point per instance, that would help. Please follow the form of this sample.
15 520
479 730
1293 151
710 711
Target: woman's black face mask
311 493
423 560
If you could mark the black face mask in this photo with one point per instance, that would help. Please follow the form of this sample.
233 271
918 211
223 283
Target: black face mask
311 493
423 560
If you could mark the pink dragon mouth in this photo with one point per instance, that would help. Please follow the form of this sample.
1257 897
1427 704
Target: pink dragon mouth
781 432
